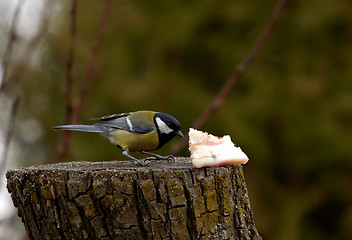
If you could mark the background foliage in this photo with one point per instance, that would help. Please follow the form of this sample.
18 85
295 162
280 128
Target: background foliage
291 111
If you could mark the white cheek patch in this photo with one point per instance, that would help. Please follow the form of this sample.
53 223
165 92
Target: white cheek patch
163 127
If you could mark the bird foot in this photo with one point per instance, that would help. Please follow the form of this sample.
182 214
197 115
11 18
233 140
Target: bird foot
158 157
142 163
135 160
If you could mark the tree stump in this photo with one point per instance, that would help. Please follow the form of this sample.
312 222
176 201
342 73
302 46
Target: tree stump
121 200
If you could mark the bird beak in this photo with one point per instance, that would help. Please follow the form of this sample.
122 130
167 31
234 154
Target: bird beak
179 133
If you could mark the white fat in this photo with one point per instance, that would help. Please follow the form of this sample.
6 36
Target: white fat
163 128
208 150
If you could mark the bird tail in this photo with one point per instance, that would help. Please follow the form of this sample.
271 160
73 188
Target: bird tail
82 128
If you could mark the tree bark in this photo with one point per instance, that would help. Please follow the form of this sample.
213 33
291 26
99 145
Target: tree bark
121 200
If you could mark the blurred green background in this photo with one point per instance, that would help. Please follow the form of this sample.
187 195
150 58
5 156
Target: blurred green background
291 112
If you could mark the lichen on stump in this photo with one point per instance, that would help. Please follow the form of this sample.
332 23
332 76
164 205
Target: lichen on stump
120 200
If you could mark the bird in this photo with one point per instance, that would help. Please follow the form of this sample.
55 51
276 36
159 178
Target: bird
139 131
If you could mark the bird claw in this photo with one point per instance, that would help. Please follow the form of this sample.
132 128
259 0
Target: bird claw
170 158
146 163
139 162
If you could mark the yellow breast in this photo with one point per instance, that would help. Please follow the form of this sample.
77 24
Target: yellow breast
135 142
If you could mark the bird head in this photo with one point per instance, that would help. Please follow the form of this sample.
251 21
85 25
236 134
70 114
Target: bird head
167 127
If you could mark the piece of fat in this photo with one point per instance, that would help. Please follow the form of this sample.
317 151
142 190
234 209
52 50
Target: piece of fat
210 151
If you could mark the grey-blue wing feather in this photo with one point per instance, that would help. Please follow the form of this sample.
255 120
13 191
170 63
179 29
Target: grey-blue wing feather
130 125
142 122
123 125
114 121
143 129
119 121
112 117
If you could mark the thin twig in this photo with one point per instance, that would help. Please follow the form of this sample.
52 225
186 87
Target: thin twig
64 146
8 135
10 42
231 82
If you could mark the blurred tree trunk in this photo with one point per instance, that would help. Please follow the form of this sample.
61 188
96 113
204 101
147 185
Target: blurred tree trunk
120 200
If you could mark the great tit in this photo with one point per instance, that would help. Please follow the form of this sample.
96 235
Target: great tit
139 131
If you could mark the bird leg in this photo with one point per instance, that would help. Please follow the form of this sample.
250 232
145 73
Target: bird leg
157 157
126 153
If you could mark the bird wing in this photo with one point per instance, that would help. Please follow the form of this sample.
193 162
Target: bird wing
128 122
142 122
112 117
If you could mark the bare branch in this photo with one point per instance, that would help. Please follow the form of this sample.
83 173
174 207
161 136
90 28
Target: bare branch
11 41
8 135
231 82
64 146
32 44
87 81
73 111
70 62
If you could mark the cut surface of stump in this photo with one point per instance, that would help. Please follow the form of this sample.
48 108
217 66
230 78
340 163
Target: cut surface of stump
122 200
